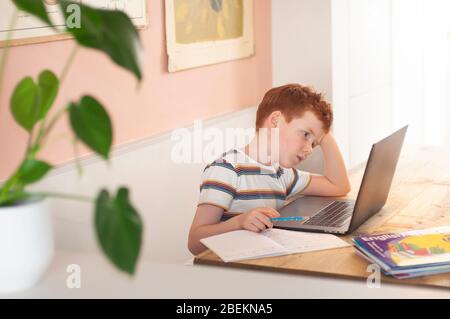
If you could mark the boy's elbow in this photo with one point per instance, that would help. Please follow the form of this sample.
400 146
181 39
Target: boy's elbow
195 246
338 190
191 248
191 245
341 190
345 190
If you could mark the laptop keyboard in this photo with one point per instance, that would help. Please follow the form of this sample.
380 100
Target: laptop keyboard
333 215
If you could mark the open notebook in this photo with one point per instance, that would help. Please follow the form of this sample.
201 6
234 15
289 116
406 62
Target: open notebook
244 244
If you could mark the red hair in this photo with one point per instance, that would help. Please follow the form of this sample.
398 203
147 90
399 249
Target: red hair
293 100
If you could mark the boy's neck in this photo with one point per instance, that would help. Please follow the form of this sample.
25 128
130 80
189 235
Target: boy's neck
252 150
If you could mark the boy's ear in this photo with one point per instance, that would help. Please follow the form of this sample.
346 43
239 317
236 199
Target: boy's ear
274 118
275 121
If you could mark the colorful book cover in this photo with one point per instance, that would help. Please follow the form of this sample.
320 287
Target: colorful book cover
425 249
408 249
406 272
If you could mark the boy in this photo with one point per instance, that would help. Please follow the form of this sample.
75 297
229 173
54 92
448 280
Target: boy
249 185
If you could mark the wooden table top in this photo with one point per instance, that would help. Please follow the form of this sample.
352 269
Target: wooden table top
419 198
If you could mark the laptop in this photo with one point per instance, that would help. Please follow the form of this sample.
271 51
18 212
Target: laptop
342 216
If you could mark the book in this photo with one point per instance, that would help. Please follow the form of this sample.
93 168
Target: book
408 254
244 244
408 272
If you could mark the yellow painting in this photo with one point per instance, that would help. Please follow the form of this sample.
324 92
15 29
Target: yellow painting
208 20
203 32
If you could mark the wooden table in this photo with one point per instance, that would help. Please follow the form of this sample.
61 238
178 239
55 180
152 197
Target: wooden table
419 198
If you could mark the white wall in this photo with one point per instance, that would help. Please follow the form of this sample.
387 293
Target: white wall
340 38
165 193
369 76
447 115
420 50
301 43
407 67
361 74
343 48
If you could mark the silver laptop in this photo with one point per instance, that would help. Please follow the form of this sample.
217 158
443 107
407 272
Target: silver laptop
339 216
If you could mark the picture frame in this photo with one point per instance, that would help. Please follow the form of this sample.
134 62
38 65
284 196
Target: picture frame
28 29
195 52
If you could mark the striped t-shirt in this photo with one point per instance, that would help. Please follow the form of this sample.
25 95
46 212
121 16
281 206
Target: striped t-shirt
237 183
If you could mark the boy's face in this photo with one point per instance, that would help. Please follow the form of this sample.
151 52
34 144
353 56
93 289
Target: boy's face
297 138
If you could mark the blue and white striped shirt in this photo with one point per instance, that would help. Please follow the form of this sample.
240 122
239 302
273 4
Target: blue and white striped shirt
237 183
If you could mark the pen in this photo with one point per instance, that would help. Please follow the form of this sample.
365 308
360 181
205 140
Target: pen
287 218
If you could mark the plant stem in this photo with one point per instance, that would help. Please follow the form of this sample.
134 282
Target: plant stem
66 196
9 184
77 157
6 49
69 62
43 131
30 141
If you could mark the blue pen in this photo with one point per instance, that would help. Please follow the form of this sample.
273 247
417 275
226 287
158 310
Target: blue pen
288 218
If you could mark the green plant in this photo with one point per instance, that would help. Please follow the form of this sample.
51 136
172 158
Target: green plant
117 223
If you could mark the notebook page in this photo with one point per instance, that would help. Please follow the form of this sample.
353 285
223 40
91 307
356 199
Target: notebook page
300 242
243 244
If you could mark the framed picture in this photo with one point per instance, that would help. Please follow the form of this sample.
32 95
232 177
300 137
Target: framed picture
203 32
28 29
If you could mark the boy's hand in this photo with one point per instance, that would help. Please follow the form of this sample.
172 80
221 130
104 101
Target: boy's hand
257 219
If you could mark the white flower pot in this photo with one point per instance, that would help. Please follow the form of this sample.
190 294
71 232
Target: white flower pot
26 244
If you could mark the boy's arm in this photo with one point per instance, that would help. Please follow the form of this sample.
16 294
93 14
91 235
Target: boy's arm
207 223
334 181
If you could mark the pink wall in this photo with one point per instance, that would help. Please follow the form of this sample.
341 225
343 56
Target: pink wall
164 100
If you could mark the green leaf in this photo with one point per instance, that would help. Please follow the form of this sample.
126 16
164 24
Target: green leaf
109 31
25 103
34 7
32 170
16 197
48 85
30 102
92 125
119 229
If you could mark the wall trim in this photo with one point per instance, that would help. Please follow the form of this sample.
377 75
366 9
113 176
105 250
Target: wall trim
127 147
